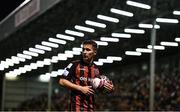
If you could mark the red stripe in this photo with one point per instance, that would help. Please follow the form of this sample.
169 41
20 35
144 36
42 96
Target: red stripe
78 83
85 103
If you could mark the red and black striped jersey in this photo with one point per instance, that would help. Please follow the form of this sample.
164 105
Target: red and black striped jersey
81 73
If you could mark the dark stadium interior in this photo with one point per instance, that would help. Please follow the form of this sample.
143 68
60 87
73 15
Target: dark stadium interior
68 13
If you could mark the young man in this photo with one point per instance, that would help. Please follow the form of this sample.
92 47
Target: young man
77 77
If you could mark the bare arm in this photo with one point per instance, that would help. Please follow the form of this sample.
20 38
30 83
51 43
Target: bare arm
84 89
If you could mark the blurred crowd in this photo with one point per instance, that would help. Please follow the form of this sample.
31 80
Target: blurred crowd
131 93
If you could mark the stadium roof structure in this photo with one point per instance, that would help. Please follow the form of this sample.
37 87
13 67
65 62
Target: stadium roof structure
117 17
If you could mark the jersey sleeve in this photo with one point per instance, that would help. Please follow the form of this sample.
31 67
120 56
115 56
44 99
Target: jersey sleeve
69 71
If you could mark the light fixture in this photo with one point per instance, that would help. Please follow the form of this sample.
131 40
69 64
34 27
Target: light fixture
107 18
144 50
105 60
77 49
24 56
50 44
175 44
65 37
121 12
18 58
83 28
137 31
101 43
121 35
57 41
137 4
30 53
97 24
176 12
133 53
156 47
43 47
109 39
98 63
36 50
114 58
177 39
167 20
141 25
75 33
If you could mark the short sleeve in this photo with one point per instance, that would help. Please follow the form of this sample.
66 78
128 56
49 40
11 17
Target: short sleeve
69 71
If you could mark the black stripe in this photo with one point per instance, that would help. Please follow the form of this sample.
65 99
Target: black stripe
82 84
89 76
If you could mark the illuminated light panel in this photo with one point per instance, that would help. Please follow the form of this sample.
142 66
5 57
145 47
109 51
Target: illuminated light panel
156 47
97 24
30 53
18 58
105 60
24 56
166 20
148 26
75 33
107 18
114 58
86 29
98 63
121 12
37 50
144 50
108 39
137 4
50 44
176 12
133 53
173 44
101 43
65 37
57 41
137 31
77 49
177 39
121 35
43 47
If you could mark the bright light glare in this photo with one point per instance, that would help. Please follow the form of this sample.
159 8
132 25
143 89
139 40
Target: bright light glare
86 29
166 20
137 4
121 12
75 33
133 53
137 31
97 24
66 37
107 18
108 39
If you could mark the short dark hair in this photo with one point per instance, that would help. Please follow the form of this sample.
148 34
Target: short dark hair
92 42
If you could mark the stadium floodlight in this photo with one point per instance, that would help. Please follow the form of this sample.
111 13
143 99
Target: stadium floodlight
65 37
107 18
177 39
98 63
109 39
133 53
173 44
101 43
157 47
114 58
121 12
57 41
83 28
176 12
144 50
50 44
75 33
43 47
141 25
167 20
121 35
30 53
97 24
137 4
24 56
137 31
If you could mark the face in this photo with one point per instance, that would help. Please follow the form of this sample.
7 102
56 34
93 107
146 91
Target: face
88 53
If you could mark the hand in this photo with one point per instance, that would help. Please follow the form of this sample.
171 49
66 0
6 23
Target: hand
109 86
87 90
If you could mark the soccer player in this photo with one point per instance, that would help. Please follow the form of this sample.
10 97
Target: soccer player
77 77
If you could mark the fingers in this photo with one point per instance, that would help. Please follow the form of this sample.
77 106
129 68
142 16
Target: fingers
109 86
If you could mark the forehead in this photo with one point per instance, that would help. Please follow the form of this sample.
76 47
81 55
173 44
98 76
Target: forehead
88 46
